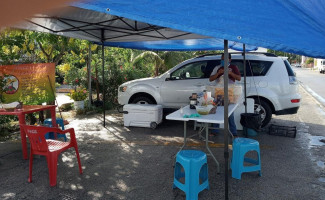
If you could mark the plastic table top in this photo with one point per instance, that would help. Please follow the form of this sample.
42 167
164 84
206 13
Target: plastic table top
217 118
27 109
21 116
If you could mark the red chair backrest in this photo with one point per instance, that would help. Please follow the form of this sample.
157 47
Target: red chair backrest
36 135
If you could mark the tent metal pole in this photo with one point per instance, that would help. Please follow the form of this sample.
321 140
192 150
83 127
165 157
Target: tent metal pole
102 37
245 91
245 86
226 119
89 76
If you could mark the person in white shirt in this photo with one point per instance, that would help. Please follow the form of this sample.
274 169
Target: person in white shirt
233 75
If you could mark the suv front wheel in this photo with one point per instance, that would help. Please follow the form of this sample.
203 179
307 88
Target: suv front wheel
264 109
142 100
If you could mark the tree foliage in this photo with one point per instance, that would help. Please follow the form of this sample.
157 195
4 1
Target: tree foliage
292 58
309 60
71 57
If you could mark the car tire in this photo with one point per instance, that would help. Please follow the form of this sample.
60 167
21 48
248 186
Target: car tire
153 125
264 109
142 100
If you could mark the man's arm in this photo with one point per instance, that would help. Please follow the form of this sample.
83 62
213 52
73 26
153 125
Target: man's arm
235 74
217 75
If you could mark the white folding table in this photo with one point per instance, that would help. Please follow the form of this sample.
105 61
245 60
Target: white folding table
217 118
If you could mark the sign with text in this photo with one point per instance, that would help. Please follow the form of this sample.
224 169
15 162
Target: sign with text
28 83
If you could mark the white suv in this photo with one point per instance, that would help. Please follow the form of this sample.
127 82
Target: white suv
270 81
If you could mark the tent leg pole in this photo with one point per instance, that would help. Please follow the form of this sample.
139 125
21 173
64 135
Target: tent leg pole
89 76
245 91
245 86
226 121
103 76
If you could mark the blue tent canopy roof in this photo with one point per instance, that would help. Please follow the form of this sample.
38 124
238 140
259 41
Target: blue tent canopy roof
295 26
100 27
181 45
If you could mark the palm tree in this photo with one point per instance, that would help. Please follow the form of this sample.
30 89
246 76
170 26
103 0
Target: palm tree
162 60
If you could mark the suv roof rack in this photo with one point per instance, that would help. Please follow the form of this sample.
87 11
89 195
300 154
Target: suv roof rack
262 53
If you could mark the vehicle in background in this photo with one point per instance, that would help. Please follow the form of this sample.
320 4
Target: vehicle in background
296 65
270 81
320 65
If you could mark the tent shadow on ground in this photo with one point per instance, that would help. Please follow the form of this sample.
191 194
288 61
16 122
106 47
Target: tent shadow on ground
137 163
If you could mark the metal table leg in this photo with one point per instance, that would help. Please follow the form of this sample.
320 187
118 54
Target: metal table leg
185 139
207 146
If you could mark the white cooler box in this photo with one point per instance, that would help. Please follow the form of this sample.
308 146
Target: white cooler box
142 115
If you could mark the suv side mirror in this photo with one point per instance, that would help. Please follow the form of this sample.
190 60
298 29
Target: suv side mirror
168 78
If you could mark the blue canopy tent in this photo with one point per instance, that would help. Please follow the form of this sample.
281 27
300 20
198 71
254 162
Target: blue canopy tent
110 30
294 26
180 45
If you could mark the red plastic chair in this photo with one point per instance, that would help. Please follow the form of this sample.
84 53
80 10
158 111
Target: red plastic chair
49 148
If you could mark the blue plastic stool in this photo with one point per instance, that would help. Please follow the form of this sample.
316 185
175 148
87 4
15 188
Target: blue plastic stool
249 131
240 147
50 135
195 169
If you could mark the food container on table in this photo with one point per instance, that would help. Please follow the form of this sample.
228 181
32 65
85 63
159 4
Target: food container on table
203 110
193 103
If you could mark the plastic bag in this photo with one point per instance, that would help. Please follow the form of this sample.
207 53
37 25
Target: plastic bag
217 92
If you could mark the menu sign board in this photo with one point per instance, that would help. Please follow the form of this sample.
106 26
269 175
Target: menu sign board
28 83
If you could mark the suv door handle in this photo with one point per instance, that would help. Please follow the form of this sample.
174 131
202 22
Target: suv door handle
199 84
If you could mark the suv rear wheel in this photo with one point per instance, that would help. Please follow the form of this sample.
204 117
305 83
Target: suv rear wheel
264 109
142 100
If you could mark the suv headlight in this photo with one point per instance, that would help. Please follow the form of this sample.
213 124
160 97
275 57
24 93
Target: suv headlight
123 88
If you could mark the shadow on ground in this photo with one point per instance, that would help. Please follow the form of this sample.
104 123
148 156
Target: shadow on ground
137 163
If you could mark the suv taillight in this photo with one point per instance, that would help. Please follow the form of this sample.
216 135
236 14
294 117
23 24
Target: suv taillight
295 100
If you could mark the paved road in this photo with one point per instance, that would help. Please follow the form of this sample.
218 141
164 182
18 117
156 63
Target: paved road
313 82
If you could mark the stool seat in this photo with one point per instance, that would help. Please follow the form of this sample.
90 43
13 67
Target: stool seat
195 173
240 147
245 141
50 135
191 154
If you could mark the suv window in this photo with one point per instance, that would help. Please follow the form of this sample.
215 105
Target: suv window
289 69
260 68
211 65
240 65
190 71
255 67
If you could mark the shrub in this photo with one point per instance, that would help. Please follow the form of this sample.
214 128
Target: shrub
79 94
